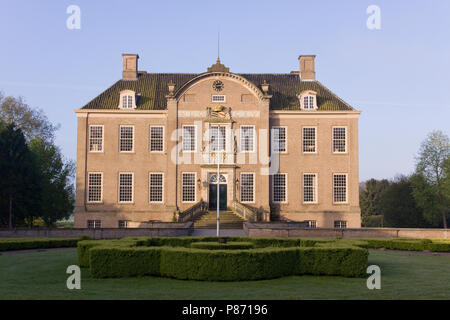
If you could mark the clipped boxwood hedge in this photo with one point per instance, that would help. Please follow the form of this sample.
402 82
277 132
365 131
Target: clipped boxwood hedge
37 243
179 258
222 246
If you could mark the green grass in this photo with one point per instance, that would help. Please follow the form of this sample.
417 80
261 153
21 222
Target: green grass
42 275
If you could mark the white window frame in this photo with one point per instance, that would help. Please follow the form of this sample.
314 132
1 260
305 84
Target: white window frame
346 140
285 191
89 186
97 224
194 139
103 138
127 93
195 187
218 95
163 137
273 140
125 224
132 188
315 186
315 139
309 94
253 187
120 138
341 223
312 224
241 137
149 187
346 188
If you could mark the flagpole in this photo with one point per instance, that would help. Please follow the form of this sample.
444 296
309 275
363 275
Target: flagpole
218 193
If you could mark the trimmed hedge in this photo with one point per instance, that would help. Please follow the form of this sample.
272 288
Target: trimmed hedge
179 258
222 246
36 243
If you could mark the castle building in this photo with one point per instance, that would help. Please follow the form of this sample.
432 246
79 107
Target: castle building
167 146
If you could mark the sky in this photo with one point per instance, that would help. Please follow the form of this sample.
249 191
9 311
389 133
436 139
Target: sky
397 75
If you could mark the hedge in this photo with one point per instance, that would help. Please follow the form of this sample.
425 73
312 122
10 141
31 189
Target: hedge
281 257
222 246
37 243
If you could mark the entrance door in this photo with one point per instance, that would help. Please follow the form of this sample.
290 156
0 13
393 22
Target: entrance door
213 196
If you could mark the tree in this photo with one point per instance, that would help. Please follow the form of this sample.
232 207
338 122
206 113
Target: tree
18 183
399 206
430 180
370 197
57 194
32 122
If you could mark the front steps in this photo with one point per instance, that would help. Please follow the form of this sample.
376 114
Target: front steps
228 220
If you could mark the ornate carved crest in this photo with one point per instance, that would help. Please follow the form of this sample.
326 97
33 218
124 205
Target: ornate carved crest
218 114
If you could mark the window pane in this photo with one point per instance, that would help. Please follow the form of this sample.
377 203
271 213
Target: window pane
126 187
279 139
309 140
340 188
95 187
309 188
247 187
188 187
156 138
279 187
188 138
339 139
126 138
247 137
96 138
156 187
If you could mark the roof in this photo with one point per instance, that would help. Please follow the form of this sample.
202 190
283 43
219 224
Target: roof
152 89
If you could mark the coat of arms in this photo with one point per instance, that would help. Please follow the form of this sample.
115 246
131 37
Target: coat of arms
218 113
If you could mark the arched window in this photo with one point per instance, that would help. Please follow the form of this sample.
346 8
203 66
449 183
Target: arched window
213 179
127 100
308 100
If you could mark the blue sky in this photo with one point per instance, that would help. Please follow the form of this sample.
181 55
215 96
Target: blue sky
399 76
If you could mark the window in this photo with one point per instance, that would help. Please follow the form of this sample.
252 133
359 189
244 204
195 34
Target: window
218 98
339 139
156 187
310 188
340 224
189 138
309 140
312 224
96 138
340 188
156 139
126 138
123 224
94 224
127 101
247 135
217 138
279 187
247 187
279 139
308 102
95 187
188 187
126 187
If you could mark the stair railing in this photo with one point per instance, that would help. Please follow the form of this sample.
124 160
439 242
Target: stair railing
192 212
246 212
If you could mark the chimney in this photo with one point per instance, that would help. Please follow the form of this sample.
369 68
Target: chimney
130 66
307 71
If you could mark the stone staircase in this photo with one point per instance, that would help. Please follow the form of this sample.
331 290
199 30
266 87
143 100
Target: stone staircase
228 220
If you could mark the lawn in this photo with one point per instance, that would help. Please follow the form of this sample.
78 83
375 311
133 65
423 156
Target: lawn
42 275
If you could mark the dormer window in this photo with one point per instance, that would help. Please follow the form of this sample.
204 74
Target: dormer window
127 100
308 100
